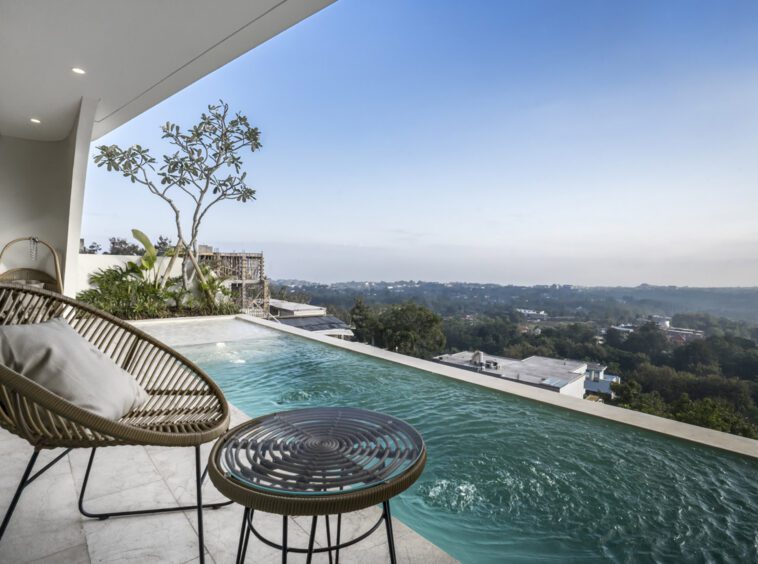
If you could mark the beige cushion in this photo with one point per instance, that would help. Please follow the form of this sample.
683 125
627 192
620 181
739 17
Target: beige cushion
58 358
31 283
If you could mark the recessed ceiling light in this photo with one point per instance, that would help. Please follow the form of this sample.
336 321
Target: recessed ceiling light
77 70
34 120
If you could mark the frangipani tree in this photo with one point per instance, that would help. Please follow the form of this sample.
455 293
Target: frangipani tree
203 171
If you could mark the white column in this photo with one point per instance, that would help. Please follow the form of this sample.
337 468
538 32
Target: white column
82 134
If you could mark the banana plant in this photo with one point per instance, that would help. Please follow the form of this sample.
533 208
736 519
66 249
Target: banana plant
145 268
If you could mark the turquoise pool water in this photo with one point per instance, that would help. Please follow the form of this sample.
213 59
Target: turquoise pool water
509 480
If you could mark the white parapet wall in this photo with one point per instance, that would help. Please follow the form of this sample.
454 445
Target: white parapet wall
88 264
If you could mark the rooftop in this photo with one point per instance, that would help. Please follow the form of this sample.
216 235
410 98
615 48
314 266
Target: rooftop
296 308
535 370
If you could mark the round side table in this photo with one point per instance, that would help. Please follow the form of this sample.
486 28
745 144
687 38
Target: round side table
316 462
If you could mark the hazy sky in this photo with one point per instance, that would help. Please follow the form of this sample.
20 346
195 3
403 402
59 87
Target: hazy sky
525 142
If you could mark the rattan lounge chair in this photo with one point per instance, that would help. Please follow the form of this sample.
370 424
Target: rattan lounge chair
185 407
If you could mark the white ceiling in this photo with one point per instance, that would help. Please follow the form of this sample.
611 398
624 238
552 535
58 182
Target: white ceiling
136 53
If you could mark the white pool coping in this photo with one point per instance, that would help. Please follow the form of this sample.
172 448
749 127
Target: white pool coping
677 429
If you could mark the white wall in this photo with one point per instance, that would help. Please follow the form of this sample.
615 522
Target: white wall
574 389
87 264
41 194
34 197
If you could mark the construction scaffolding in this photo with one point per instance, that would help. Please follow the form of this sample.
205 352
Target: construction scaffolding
243 274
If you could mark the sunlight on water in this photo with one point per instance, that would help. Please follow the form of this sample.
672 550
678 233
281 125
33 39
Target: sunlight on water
509 479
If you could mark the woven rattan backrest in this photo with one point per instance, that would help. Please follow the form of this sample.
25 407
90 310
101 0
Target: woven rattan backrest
183 400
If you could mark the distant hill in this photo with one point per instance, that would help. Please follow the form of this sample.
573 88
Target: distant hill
595 303
740 304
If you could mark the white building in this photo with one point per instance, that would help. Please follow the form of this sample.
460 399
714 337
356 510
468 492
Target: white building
533 314
284 309
562 376
570 377
662 321
596 381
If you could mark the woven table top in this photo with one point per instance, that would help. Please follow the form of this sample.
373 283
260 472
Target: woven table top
320 451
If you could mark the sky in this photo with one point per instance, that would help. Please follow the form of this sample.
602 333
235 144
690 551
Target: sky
514 142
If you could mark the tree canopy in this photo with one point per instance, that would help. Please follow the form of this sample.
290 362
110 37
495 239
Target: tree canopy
120 246
204 170
407 328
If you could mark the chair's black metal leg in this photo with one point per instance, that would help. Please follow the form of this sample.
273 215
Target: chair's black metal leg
242 536
284 539
339 530
21 485
199 503
390 536
84 488
328 539
311 540
47 466
103 516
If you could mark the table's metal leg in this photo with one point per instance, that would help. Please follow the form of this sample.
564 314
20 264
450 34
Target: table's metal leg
390 536
328 539
339 530
199 501
249 522
284 539
243 529
311 540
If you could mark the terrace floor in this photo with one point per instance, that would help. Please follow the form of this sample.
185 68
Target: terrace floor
47 527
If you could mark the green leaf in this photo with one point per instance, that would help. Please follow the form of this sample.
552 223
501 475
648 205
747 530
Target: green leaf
145 240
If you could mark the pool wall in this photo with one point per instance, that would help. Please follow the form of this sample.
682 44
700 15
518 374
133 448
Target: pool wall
693 433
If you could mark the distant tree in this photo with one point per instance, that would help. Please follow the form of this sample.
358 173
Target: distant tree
631 396
119 246
289 295
713 413
411 329
490 334
647 339
712 325
697 357
614 338
340 313
363 319
163 246
91 249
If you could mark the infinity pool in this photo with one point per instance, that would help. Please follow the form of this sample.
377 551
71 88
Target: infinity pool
510 480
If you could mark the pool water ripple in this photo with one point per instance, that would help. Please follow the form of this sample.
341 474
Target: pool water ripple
513 480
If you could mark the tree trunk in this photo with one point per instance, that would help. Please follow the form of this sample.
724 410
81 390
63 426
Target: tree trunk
170 266
190 255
